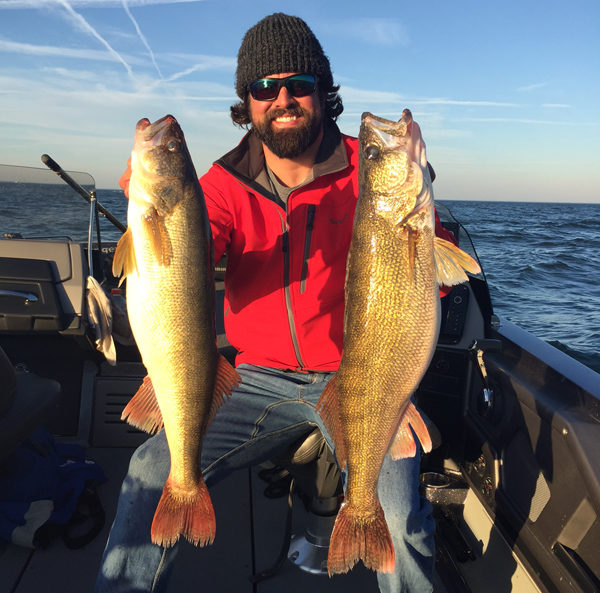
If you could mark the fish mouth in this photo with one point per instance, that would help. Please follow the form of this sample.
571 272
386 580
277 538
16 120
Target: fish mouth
390 133
159 156
153 134
379 135
153 144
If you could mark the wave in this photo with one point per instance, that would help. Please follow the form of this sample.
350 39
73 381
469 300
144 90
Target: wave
590 360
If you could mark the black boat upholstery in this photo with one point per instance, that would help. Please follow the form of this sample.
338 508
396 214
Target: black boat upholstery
25 401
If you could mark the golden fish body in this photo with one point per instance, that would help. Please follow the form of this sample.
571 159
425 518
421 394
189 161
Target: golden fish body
391 327
167 257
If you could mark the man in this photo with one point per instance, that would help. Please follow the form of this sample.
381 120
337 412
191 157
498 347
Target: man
281 206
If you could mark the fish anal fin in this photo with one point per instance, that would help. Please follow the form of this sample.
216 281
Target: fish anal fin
124 262
143 411
157 236
404 445
328 408
451 262
356 537
226 379
184 513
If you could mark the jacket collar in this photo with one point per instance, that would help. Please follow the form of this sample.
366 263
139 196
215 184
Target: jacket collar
246 162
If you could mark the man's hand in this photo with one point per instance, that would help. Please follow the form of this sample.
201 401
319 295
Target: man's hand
124 181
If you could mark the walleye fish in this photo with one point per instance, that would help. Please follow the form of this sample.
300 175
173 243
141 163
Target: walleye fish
394 269
166 254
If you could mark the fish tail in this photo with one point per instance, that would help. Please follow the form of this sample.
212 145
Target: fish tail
184 513
356 537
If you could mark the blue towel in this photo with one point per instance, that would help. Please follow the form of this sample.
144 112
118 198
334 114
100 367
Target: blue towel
40 486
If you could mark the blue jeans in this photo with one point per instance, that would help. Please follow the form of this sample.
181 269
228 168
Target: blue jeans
269 411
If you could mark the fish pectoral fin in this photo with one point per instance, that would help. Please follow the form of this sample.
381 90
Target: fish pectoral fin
403 444
226 379
143 411
451 263
157 236
328 408
124 259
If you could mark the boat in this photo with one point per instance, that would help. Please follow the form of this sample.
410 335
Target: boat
514 478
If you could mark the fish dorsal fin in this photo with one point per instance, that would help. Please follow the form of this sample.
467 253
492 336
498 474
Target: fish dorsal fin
124 259
403 444
451 263
328 408
143 411
226 379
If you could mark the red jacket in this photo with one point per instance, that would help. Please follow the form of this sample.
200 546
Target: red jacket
286 267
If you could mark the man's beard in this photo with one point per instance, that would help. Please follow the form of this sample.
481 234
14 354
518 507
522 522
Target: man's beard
288 144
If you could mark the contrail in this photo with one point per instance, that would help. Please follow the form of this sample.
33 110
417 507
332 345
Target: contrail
177 75
85 26
142 37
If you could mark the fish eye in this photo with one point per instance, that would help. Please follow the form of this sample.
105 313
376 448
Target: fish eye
372 152
173 145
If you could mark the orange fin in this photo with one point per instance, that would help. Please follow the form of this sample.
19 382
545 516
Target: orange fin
356 537
328 408
184 513
404 444
124 259
226 379
143 411
157 236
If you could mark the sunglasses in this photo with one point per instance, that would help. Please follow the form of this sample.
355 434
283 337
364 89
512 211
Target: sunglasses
297 85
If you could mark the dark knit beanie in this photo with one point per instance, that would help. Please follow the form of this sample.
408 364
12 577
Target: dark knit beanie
280 43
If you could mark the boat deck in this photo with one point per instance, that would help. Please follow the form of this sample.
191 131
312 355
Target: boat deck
250 530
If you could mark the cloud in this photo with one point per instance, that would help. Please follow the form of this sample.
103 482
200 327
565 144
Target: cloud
463 102
63 52
518 120
205 63
358 95
355 95
532 87
21 4
375 31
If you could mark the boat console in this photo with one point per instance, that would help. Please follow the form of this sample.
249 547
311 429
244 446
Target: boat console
42 285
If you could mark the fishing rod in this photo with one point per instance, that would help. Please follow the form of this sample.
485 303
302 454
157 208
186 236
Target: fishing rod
86 195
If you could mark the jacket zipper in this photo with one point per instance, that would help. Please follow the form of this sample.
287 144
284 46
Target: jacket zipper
307 238
286 288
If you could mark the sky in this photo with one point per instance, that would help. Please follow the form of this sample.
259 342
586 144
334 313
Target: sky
507 94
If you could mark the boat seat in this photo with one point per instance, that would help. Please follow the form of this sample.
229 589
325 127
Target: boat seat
319 479
25 400
309 468
311 463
